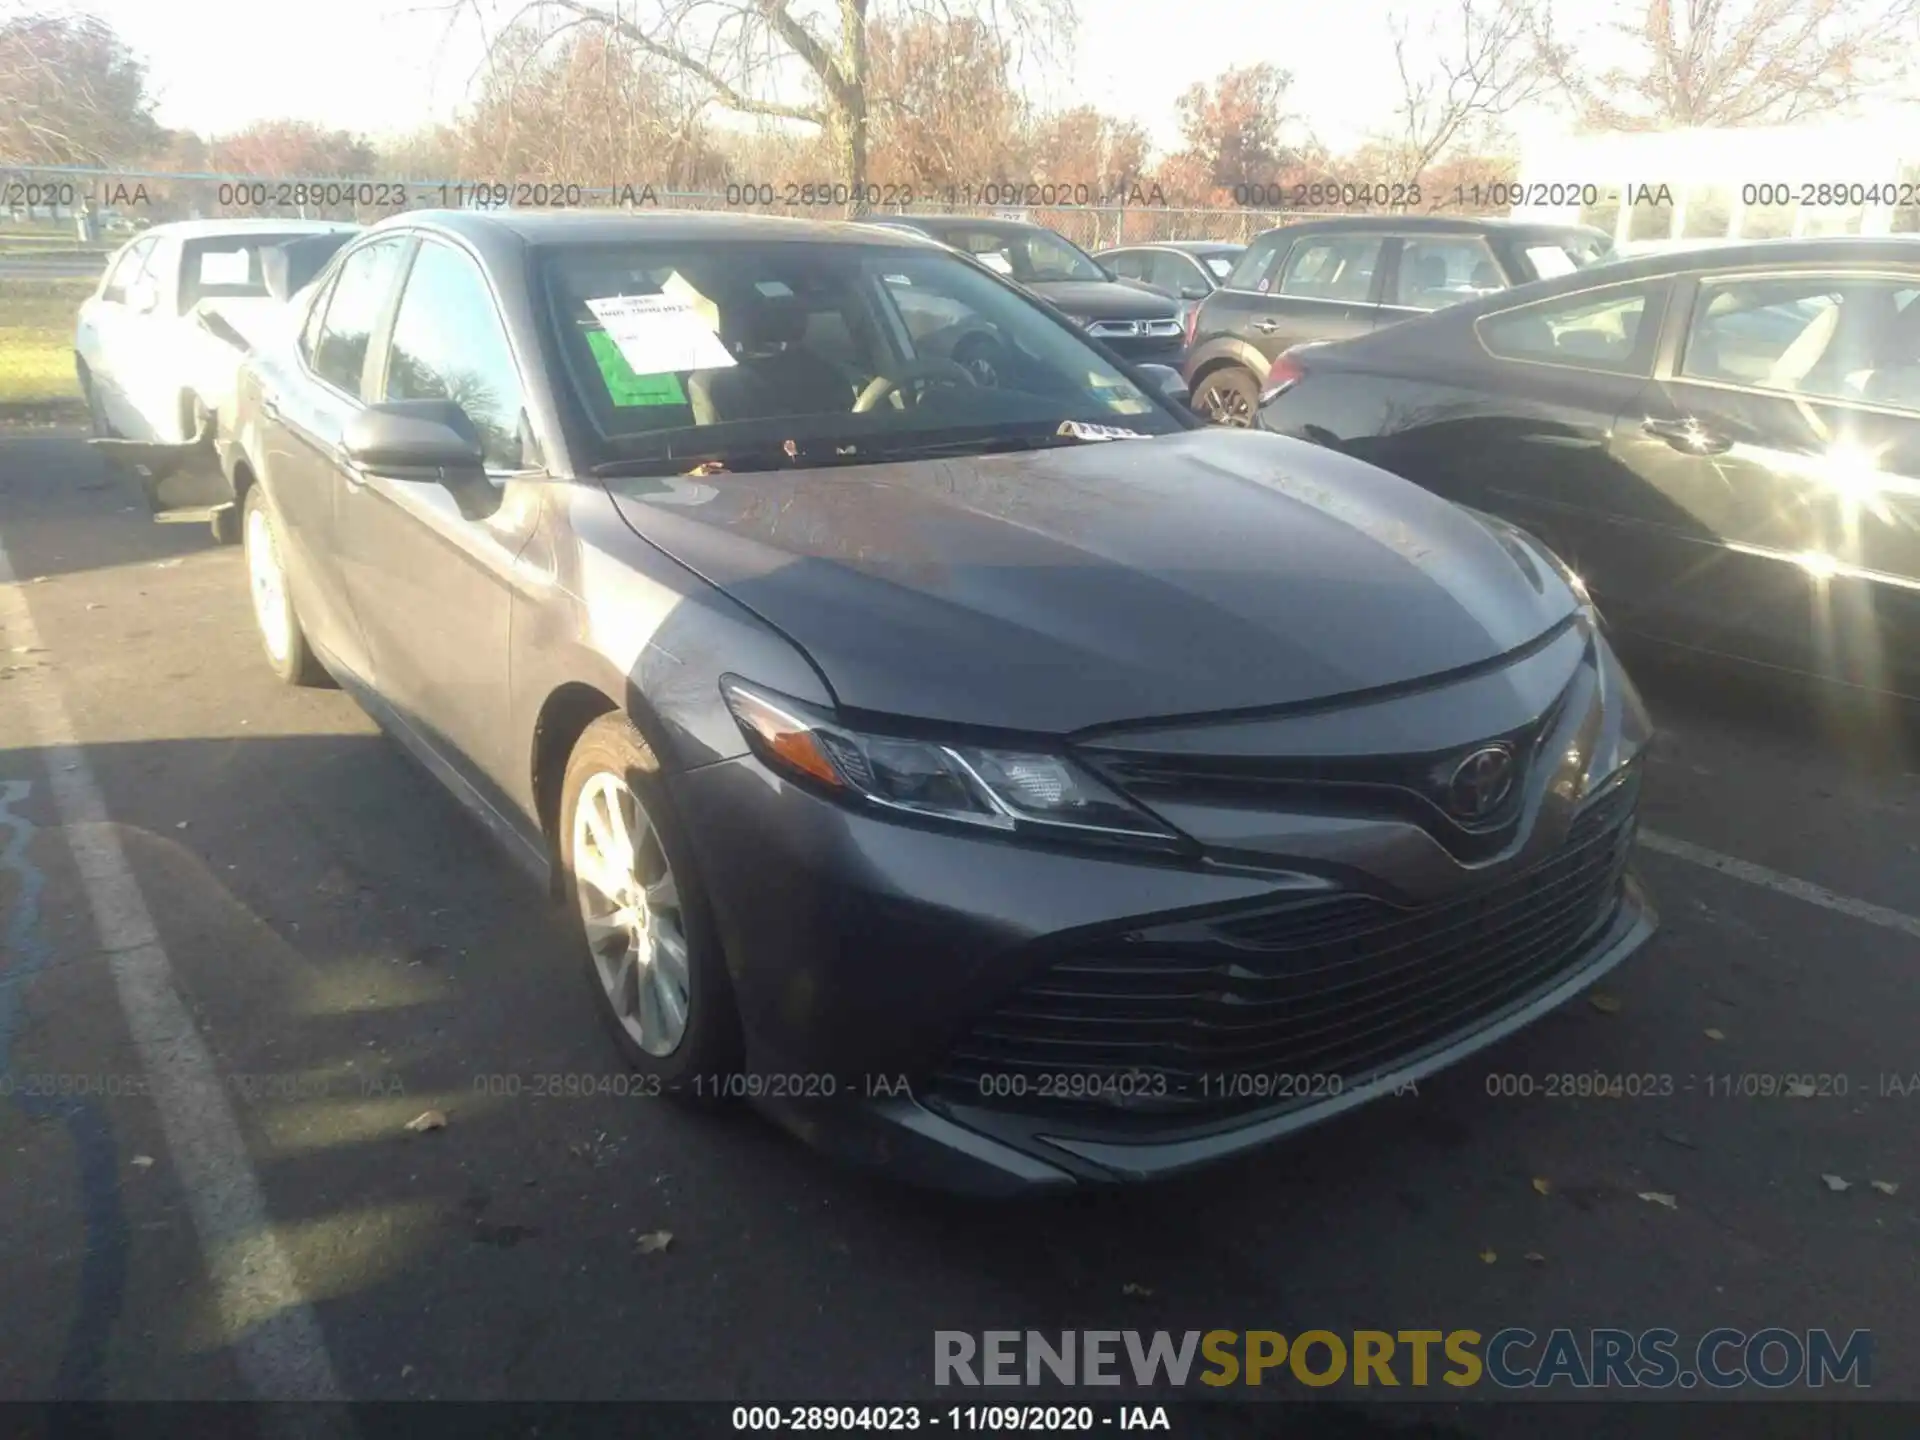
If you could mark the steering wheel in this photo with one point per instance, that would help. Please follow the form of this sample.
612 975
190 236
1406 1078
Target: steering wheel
924 371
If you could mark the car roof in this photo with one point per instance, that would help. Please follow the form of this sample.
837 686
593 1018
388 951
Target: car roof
932 224
209 229
589 227
1185 247
1868 250
1432 225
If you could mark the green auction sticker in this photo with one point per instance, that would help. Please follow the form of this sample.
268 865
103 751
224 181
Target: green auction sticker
624 386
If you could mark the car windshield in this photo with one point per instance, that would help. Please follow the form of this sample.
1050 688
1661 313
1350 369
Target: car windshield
1028 254
225 267
749 350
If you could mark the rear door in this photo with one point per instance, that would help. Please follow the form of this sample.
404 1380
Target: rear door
1519 416
303 409
1779 453
1326 287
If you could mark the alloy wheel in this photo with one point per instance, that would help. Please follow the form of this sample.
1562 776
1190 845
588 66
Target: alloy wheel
1226 405
631 911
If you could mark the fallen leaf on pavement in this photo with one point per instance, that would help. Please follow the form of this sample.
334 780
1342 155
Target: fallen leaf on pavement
1674 1137
1542 1185
1885 1187
1488 1256
1605 1004
1716 1035
1131 1289
1655 1197
1534 1257
654 1241
141 1162
427 1120
1835 1183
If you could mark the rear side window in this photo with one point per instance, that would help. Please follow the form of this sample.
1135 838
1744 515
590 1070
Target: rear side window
449 344
1613 331
1128 264
339 354
1436 273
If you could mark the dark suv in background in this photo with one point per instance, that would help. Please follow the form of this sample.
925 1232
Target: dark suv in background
1336 279
1136 322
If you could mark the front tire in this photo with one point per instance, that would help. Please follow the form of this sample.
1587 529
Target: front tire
640 917
288 654
1229 396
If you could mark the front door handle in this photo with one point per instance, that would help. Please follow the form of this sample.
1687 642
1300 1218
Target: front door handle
269 407
1689 436
1266 327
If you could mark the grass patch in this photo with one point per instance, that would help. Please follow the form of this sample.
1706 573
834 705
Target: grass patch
36 338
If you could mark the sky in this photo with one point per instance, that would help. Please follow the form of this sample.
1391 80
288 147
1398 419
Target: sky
380 67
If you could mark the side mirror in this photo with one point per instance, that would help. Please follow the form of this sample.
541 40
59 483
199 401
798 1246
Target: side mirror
424 440
1194 292
1168 382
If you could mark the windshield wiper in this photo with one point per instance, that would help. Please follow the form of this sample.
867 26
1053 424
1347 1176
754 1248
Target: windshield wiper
1069 433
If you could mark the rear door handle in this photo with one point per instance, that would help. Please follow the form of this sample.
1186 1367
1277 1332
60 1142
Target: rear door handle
1266 327
1689 436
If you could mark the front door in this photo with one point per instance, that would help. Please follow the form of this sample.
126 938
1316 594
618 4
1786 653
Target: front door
432 586
1782 442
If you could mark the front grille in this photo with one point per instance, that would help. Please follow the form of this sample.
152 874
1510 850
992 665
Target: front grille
1249 1010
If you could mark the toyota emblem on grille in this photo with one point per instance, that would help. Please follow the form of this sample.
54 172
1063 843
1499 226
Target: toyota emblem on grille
1480 782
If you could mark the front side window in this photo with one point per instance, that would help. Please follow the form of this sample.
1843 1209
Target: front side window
359 295
759 344
449 344
1833 336
1250 271
1436 273
1129 264
1613 331
1333 267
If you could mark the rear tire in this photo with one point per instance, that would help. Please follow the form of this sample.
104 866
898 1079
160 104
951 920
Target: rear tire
640 918
288 654
1228 396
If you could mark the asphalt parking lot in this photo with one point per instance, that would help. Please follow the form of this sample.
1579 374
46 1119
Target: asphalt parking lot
319 947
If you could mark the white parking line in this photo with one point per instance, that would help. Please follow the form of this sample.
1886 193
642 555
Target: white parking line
1786 884
275 1334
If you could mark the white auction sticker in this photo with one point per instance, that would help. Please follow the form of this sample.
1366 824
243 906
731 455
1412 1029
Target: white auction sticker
659 334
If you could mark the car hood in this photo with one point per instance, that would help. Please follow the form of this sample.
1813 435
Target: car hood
1104 299
1054 590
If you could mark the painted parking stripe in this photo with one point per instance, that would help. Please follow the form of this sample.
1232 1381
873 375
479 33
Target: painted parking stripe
1785 884
276 1336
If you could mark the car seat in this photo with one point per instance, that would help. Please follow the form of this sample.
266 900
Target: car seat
774 373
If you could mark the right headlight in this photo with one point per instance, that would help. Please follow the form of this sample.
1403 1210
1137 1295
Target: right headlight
1033 792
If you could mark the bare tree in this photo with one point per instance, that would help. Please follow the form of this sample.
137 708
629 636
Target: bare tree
1733 62
71 92
1467 70
739 54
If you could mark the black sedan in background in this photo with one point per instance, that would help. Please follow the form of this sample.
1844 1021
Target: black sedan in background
1334 279
1724 443
1023 785
1137 322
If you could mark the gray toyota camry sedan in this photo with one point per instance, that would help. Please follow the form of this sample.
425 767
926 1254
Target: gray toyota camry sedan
1001 779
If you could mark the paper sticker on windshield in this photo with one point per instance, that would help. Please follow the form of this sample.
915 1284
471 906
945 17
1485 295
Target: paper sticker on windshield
660 334
1080 430
774 289
995 261
225 267
624 387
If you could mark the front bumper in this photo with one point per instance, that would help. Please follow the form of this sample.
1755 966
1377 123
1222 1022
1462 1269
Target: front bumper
876 963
